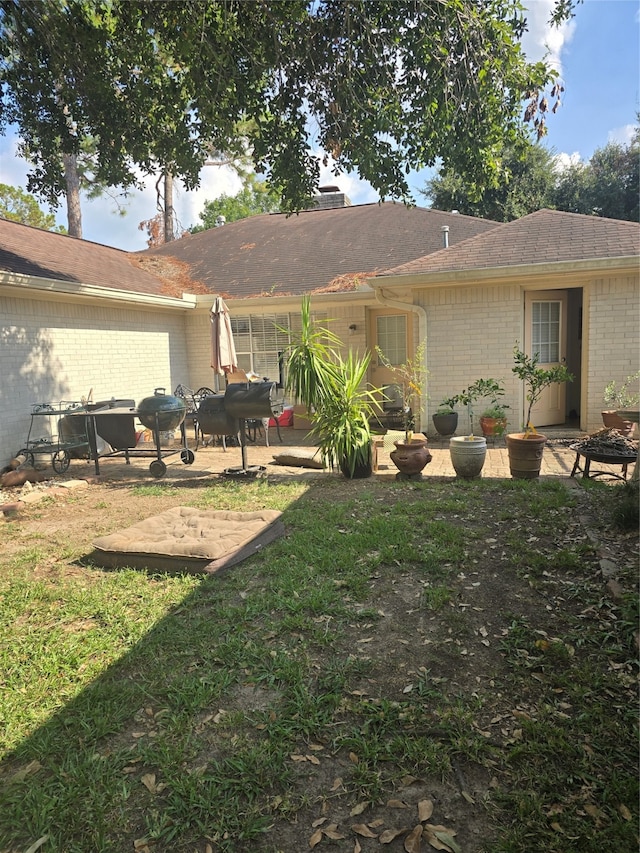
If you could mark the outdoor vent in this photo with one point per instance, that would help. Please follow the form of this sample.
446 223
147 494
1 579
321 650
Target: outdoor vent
445 236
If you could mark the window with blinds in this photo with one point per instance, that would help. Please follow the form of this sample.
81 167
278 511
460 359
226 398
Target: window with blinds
260 341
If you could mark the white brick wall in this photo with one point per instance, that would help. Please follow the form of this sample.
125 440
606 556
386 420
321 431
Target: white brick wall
613 342
51 351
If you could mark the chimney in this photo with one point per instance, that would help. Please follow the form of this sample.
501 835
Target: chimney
328 197
445 236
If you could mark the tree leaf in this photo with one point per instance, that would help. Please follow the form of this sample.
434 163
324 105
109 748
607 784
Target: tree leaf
363 830
425 810
390 835
412 842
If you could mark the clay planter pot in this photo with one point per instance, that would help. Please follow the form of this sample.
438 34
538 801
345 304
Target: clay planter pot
612 420
410 459
525 455
493 426
468 453
445 424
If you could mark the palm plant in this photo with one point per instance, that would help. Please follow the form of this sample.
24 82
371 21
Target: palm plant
335 392
342 414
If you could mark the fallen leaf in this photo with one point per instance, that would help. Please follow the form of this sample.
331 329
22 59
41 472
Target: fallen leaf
353 758
337 783
149 781
313 759
356 847
446 839
624 811
425 810
332 832
318 822
21 775
412 843
396 804
358 808
363 830
315 839
390 835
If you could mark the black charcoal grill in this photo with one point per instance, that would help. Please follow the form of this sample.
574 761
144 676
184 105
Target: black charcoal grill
227 414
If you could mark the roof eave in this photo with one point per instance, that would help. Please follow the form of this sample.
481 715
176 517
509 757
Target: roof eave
23 285
520 271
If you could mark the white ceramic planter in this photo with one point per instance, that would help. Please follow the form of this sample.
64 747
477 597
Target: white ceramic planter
467 455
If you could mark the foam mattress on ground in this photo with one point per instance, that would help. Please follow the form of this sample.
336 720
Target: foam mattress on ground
186 539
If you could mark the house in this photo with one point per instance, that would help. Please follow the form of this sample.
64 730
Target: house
79 319
561 284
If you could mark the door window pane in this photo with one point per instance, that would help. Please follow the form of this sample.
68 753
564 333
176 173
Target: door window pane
392 337
545 331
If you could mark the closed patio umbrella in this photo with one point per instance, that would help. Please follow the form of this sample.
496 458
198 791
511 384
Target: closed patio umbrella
223 350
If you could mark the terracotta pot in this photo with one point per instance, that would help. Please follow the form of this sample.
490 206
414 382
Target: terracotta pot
468 453
612 420
493 426
525 455
410 459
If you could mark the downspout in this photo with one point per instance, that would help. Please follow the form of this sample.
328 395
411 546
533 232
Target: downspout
421 316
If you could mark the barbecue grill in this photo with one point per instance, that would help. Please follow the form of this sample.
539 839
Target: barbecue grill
226 414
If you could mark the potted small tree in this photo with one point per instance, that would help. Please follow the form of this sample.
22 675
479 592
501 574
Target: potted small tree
468 452
411 455
525 449
334 391
618 398
445 418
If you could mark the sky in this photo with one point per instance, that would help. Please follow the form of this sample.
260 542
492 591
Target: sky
597 55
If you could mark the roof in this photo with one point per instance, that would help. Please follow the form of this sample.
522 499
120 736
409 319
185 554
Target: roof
25 250
277 254
543 237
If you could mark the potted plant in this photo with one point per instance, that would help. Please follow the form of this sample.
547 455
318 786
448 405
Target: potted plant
525 449
468 453
493 420
445 418
411 454
334 391
341 416
619 398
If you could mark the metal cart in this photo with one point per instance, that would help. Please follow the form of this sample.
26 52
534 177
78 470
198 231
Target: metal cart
47 420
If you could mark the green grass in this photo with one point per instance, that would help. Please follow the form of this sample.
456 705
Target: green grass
394 632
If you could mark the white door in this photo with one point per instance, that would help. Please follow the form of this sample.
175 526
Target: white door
545 314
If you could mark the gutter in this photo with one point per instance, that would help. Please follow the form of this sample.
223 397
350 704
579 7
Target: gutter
26 286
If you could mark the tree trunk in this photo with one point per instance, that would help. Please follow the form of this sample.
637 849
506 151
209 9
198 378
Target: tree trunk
74 214
168 208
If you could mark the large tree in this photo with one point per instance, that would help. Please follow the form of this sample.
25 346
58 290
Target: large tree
255 197
527 184
19 206
382 86
606 185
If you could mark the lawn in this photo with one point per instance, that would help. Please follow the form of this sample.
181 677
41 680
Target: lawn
414 666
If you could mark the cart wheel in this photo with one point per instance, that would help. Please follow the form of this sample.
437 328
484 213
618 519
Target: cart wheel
187 456
60 461
158 468
29 457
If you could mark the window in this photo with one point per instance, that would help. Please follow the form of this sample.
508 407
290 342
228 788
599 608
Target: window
260 341
545 331
392 337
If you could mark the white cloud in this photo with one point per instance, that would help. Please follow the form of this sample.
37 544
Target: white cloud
623 135
543 41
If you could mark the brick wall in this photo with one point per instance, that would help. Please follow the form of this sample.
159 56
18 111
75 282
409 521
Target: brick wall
51 351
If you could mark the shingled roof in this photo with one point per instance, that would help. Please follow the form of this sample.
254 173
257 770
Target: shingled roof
543 237
276 254
44 254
